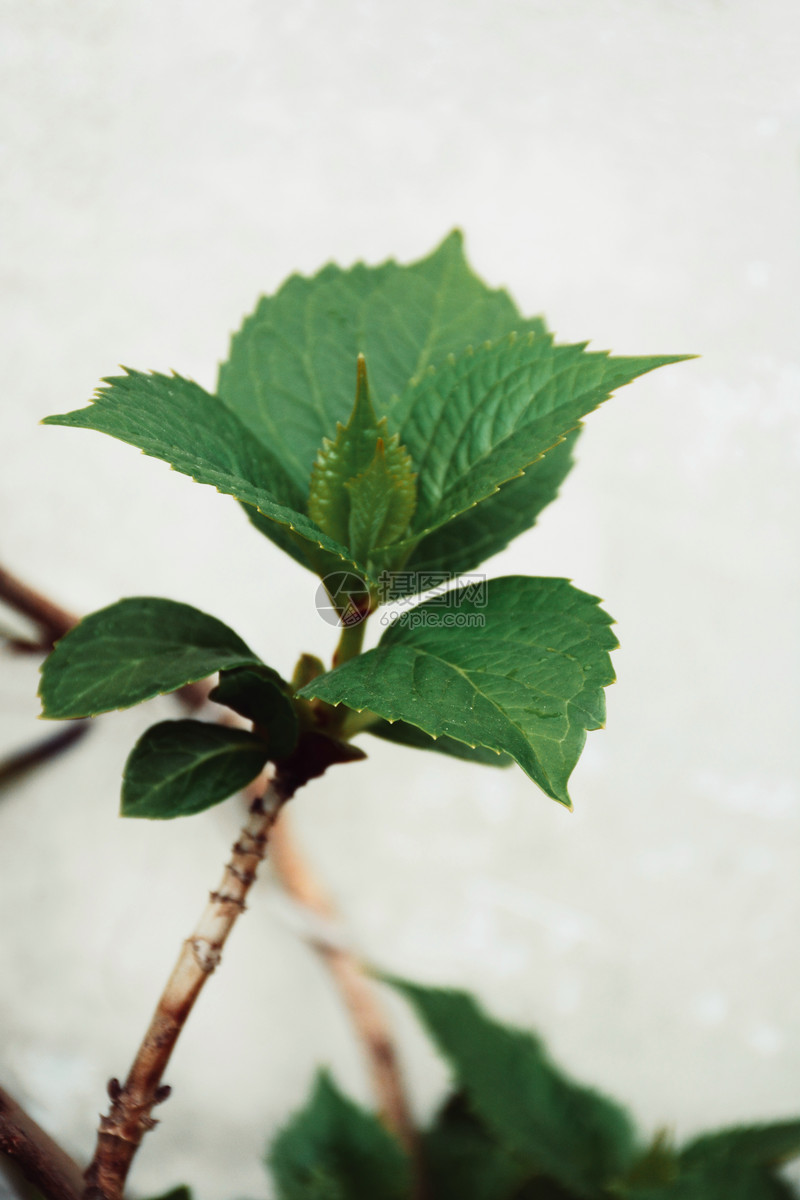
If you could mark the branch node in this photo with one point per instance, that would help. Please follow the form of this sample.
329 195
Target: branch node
254 846
225 898
207 954
245 877
129 1119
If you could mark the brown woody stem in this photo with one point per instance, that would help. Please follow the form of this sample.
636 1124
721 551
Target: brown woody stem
52 620
39 1158
16 766
129 1118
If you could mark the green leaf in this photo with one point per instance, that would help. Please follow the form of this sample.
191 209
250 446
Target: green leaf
134 650
341 459
479 420
522 675
334 1150
178 768
757 1145
404 734
290 369
174 419
729 1164
480 532
464 1161
718 1182
657 1166
261 696
382 500
557 1128
362 484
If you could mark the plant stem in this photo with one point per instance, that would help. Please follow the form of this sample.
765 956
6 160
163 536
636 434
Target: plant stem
350 642
357 990
16 766
133 1103
40 1159
52 620
129 1118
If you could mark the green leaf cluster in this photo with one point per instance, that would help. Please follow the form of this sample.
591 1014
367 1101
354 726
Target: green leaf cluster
334 1150
463 434
145 646
515 1127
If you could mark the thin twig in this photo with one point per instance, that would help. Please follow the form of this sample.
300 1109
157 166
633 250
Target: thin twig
52 620
357 990
40 1159
121 1132
19 764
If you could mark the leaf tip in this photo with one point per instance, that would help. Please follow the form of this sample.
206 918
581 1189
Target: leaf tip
454 239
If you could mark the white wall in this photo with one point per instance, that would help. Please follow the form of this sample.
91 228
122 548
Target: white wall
628 169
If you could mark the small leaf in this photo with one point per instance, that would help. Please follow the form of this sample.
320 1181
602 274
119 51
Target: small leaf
522 675
481 419
342 458
718 1182
174 419
557 1128
307 667
657 1166
729 1164
334 1150
179 768
757 1145
362 483
382 500
134 650
261 696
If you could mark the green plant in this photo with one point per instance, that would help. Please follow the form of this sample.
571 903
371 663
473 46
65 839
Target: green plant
461 432
515 1128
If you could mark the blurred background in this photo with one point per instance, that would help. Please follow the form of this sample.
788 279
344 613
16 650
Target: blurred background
629 170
